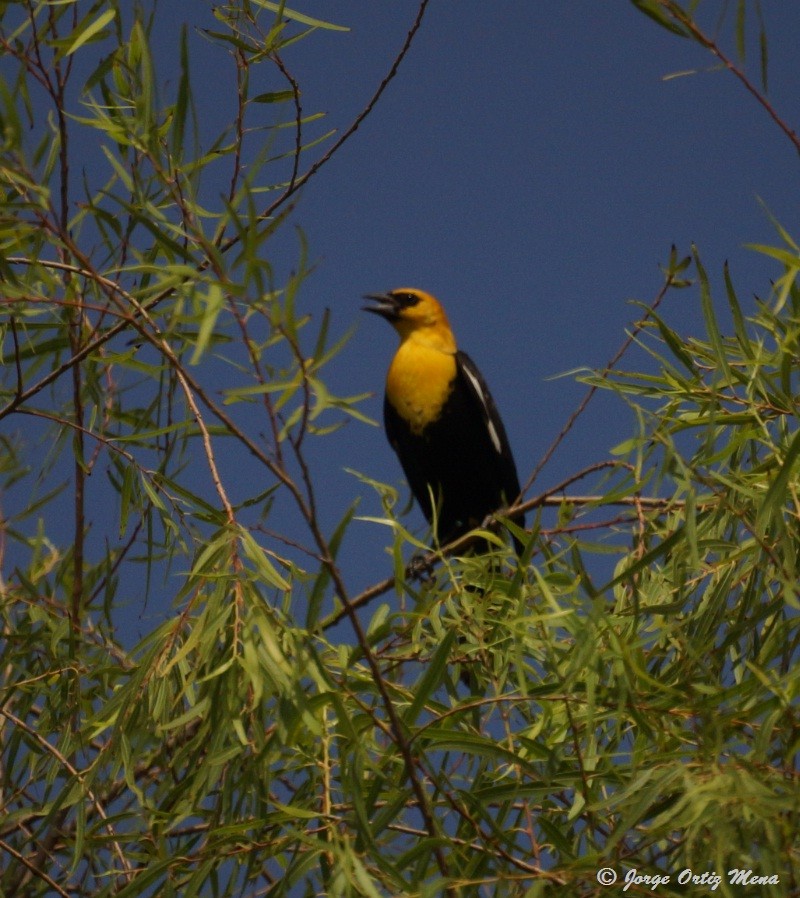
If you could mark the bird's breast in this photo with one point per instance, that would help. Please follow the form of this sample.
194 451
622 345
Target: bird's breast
419 381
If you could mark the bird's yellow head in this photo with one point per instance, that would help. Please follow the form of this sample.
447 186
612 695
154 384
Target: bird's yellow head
416 316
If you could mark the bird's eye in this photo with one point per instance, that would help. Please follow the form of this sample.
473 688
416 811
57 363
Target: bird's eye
405 300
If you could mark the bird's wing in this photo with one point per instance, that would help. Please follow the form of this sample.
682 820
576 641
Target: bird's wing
475 387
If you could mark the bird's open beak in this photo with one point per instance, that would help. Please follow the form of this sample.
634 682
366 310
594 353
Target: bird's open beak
385 305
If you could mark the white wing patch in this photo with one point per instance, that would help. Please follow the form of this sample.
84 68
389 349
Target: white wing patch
476 385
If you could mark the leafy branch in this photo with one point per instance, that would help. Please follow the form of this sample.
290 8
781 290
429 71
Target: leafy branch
194 696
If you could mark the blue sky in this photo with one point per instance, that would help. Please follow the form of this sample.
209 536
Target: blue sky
532 169
531 165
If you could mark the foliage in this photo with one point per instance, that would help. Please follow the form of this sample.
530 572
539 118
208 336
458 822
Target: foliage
499 727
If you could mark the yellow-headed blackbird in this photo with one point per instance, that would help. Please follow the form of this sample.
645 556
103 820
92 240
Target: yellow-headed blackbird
441 420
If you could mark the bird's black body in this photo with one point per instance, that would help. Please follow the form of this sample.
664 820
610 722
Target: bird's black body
455 460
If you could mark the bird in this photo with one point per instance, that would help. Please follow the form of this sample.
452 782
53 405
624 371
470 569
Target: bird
441 420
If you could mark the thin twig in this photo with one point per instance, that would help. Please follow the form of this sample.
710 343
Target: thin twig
33 869
299 182
679 15
53 750
669 281
298 121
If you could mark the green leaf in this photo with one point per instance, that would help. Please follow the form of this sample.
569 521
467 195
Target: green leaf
741 37
323 579
738 318
656 11
773 505
88 30
431 678
275 96
721 356
212 306
258 556
763 46
283 11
